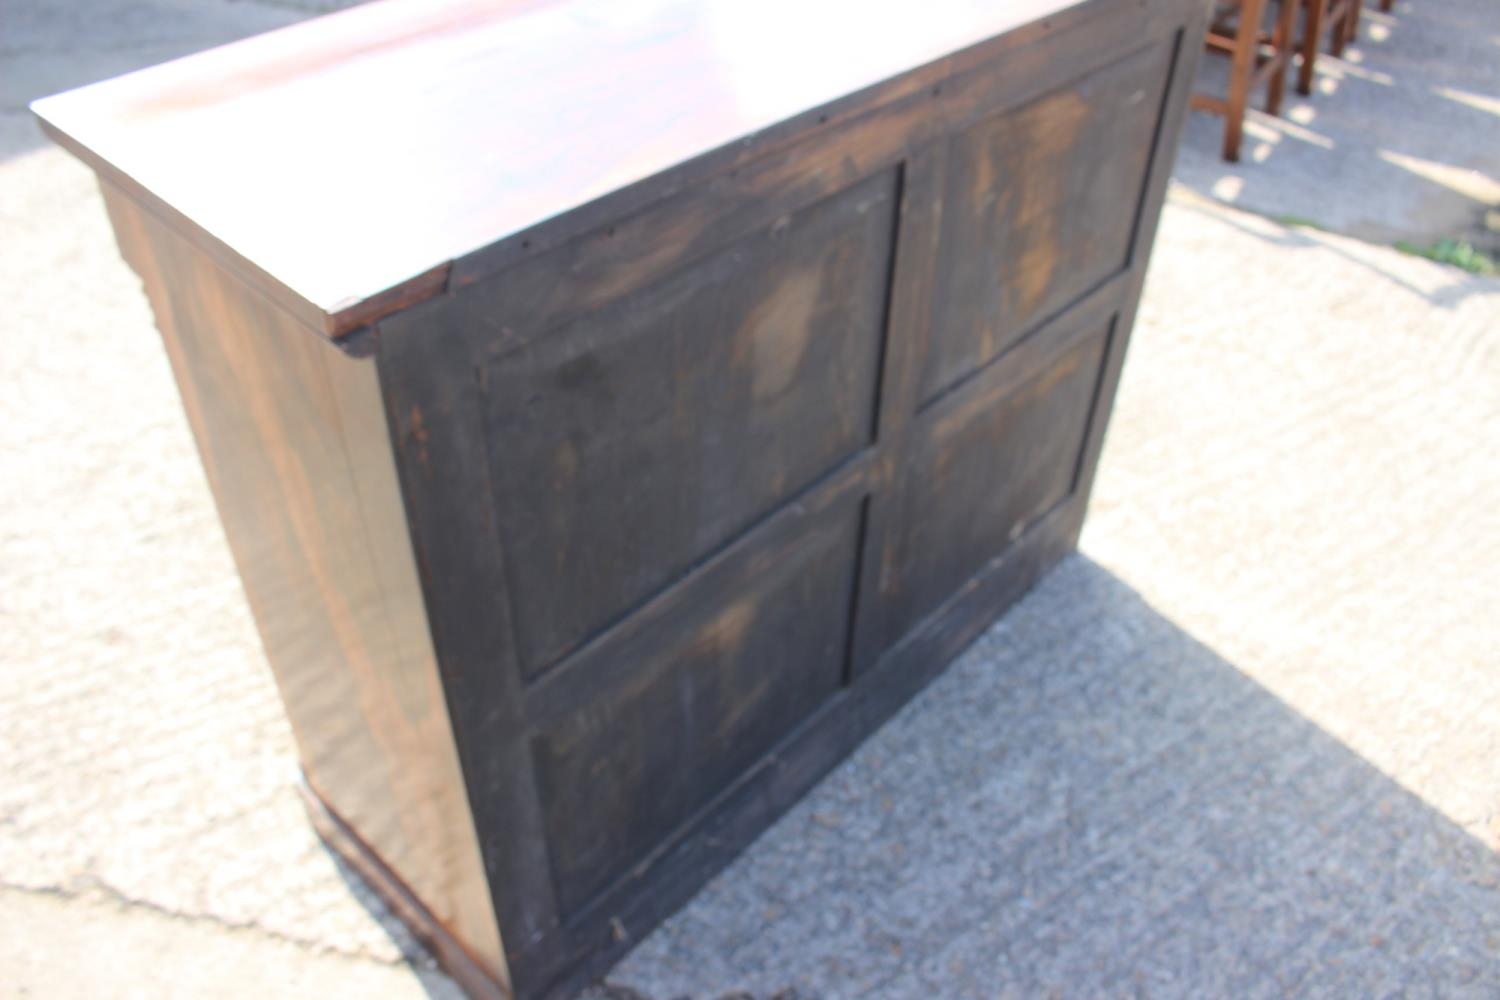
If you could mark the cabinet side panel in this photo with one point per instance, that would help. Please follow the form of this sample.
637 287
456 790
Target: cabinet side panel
293 436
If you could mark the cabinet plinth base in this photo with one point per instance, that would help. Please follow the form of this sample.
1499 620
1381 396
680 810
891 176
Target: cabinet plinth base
451 956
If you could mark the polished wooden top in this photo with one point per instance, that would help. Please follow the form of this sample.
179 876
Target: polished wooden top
342 163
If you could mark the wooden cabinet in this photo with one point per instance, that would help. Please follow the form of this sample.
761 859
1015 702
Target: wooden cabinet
617 411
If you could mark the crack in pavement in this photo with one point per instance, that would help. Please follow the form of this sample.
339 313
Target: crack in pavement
94 889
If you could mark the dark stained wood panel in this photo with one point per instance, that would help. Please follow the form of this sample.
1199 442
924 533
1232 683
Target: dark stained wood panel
984 470
633 442
698 698
1039 210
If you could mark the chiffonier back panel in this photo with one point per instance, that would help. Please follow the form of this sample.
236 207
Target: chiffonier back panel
705 487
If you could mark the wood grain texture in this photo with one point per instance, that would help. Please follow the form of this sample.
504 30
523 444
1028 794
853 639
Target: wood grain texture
433 402
717 687
489 118
980 475
630 444
1040 210
291 434
476 980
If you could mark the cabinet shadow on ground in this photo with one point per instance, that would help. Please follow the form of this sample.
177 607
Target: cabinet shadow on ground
1090 801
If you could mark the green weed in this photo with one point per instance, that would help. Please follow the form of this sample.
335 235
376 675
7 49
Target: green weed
1457 253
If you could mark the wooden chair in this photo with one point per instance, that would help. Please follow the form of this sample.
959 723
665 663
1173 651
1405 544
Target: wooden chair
1340 18
1256 57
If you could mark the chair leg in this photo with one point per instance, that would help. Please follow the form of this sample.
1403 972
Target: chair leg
1242 65
1338 36
1356 9
1283 44
1386 5
1312 35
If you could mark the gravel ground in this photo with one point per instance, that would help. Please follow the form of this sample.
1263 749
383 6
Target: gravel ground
1248 742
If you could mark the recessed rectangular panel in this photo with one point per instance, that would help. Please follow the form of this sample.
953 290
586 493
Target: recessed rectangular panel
700 695
1040 207
982 473
631 443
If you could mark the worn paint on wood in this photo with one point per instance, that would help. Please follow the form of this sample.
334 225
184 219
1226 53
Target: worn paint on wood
1035 213
982 475
631 443
711 691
